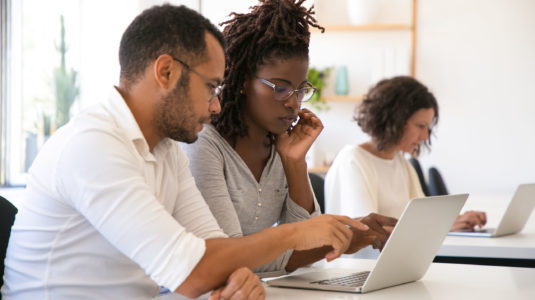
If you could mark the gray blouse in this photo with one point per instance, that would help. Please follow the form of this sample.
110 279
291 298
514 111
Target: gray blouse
240 204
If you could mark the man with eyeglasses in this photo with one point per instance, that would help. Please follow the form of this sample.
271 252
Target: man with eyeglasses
112 211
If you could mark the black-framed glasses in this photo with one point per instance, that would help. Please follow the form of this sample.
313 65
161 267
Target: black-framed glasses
283 92
215 90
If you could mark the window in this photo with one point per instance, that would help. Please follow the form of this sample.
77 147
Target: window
57 58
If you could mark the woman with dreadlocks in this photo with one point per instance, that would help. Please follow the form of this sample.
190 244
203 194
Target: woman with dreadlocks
250 163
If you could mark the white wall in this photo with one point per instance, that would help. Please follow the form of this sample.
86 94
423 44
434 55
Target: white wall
478 57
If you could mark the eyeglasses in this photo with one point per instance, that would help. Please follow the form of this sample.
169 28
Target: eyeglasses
215 90
283 92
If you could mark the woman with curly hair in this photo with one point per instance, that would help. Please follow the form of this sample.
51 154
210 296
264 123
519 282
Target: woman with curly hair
250 163
398 114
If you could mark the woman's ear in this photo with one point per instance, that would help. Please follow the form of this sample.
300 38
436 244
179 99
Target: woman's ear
165 71
245 85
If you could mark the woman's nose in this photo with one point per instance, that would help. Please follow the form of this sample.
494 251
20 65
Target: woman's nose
293 102
426 135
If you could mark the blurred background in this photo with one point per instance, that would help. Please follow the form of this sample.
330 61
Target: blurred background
477 57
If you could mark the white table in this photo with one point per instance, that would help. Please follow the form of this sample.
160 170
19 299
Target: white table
442 281
511 250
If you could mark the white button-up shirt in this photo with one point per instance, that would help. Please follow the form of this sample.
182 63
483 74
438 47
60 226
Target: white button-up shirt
105 218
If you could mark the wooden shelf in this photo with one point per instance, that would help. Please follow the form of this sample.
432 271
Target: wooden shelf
367 27
341 98
405 27
318 169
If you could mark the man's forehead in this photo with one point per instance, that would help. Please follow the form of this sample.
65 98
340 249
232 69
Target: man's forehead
213 46
215 56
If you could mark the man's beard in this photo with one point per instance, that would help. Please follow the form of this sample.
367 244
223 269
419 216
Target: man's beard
174 117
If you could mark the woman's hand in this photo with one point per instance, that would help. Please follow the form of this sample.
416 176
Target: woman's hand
469 220
325 230
379 231
294 145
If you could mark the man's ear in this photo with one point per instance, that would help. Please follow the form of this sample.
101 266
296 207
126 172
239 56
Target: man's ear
166 71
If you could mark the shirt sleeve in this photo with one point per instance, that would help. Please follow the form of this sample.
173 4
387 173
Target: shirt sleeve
207 164
100 176
294 212
347 188
191 209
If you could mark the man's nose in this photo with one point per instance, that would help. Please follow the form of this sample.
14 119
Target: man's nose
215 106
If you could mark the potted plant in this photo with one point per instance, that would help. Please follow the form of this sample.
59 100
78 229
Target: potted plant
318 78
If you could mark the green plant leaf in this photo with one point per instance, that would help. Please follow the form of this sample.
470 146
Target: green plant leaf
317 77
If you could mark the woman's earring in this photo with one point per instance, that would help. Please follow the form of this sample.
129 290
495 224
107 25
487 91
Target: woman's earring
242 92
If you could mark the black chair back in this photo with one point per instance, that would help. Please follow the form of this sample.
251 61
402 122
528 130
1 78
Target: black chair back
7 217
318 187
416 165
437 187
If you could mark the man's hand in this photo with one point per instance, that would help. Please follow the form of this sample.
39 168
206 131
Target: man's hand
380 229
241 284
469 220
326 230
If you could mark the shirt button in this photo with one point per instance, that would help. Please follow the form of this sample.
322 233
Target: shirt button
256 218
259 204
259 190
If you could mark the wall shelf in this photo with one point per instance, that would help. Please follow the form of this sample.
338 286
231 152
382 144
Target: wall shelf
318 169
409 27
367 27
341 98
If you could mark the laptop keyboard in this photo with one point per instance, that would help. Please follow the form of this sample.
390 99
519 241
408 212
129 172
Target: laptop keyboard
352 280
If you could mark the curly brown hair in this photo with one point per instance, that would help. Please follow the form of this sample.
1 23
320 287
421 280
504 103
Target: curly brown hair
275 29
388 106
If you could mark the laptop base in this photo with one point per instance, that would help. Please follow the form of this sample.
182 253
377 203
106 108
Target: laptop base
487 233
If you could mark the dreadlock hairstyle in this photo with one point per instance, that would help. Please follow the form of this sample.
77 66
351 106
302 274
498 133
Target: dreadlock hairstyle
274 29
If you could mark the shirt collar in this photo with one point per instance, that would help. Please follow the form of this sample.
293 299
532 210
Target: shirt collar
126 121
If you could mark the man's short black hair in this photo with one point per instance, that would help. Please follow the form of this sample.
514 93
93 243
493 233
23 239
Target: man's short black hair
175 30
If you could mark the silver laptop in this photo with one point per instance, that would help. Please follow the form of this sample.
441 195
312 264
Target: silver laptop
515 217
409 251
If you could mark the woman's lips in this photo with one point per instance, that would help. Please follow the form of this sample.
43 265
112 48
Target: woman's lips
288 120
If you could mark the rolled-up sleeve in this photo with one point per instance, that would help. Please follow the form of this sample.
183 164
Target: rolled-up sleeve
191 209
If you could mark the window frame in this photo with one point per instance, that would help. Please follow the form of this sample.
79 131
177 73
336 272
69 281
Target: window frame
5 26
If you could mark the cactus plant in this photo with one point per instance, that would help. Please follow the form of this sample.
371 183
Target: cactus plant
65 83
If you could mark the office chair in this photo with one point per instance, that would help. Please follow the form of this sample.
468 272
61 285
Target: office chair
416 165
437 187
318 187
7 217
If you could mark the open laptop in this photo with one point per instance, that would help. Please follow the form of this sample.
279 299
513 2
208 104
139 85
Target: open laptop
409 251
515 217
